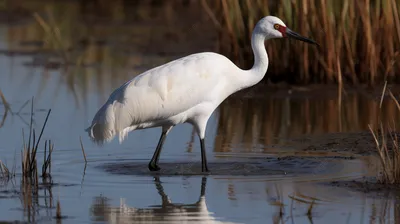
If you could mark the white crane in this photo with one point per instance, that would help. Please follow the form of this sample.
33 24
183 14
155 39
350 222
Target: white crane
186 90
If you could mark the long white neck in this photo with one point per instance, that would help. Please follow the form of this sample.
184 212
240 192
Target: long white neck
257 72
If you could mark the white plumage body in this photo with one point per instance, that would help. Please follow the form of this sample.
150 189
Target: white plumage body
188 90
184 90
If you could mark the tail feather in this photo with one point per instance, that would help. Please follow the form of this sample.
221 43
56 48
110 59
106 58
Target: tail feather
110 120
102 128
100 133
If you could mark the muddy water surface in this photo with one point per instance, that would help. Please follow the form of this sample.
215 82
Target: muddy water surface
271 153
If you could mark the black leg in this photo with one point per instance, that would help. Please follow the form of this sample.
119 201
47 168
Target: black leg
204 167
202 190
153 165
203 186
160 189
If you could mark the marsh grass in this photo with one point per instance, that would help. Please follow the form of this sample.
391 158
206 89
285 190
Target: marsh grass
58 211
7 108
52 34
29 154
353 47
83 150
4 171
4 101
30 187
387 145
46 167
310 209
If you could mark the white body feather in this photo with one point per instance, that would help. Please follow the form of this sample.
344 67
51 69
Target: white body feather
185 90
188 89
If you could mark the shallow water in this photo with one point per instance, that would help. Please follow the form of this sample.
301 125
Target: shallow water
258 173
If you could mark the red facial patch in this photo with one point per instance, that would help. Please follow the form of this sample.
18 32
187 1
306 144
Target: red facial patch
282 29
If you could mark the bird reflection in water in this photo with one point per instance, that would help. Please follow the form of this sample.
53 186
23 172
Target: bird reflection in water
167 212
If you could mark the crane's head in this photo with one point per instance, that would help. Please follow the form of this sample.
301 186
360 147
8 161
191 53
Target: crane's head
273 27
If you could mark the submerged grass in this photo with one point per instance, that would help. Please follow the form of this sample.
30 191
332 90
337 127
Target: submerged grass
353 47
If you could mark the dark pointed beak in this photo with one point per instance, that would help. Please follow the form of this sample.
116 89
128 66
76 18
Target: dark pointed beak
290 33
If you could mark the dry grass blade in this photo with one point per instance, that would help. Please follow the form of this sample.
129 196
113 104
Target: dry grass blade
389 155
382 157
54 36
3 99
3 120
29 161
58 210
6 106
83 149
210 13
395 100
310 208
40 136
46 167
395 154
5 172
383 94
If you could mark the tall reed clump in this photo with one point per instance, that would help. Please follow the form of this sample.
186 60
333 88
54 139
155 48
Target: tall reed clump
29 154
360 40
387 144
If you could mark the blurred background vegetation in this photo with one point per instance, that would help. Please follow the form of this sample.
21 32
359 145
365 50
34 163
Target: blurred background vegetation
360 39
101 44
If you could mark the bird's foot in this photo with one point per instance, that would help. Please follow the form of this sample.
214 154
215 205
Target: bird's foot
205 170
153 167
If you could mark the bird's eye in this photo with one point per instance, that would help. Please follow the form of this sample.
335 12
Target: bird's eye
276 26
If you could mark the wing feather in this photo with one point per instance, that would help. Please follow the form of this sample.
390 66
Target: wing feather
170 89
161 93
